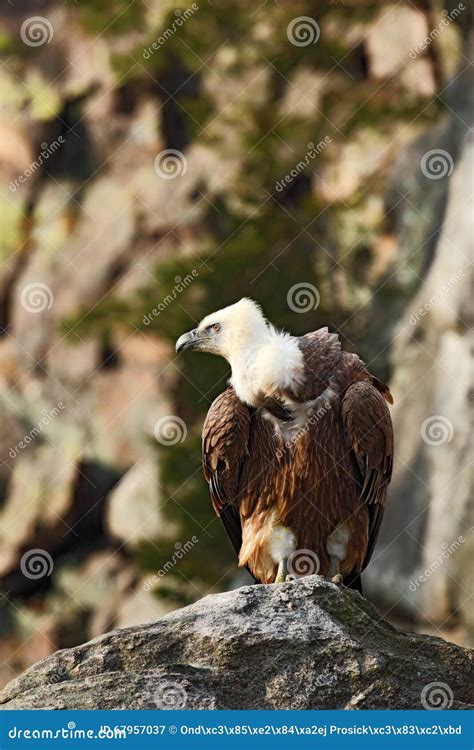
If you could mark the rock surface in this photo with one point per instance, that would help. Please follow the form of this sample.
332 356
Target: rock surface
304 644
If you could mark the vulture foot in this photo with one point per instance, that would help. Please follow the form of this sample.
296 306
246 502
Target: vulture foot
333 571
282 572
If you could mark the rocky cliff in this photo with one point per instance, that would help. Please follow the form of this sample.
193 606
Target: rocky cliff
305 644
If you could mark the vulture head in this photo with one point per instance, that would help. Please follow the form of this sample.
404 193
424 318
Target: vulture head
263 359
229 331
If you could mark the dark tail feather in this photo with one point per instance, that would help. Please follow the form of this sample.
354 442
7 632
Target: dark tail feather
354 581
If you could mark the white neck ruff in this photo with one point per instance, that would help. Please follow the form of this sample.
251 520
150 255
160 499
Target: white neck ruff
273 364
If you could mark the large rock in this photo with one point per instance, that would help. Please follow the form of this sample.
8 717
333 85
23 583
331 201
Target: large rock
304 644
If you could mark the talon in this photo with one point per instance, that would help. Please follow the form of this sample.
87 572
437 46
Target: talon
282 572
333 572
290 577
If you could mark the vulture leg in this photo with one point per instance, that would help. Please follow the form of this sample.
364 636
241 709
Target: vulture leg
333 572
336 547
282 571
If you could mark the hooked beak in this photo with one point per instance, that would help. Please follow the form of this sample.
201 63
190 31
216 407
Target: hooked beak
187 341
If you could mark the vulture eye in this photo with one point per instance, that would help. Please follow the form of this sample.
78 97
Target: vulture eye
216 327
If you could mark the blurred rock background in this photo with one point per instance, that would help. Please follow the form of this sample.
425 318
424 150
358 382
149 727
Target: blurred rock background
334 153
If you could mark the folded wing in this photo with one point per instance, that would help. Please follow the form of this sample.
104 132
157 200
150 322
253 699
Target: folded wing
369 428
225 441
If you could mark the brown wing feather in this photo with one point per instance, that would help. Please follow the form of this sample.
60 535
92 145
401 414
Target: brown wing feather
383 388
369 427
321 352
225 439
